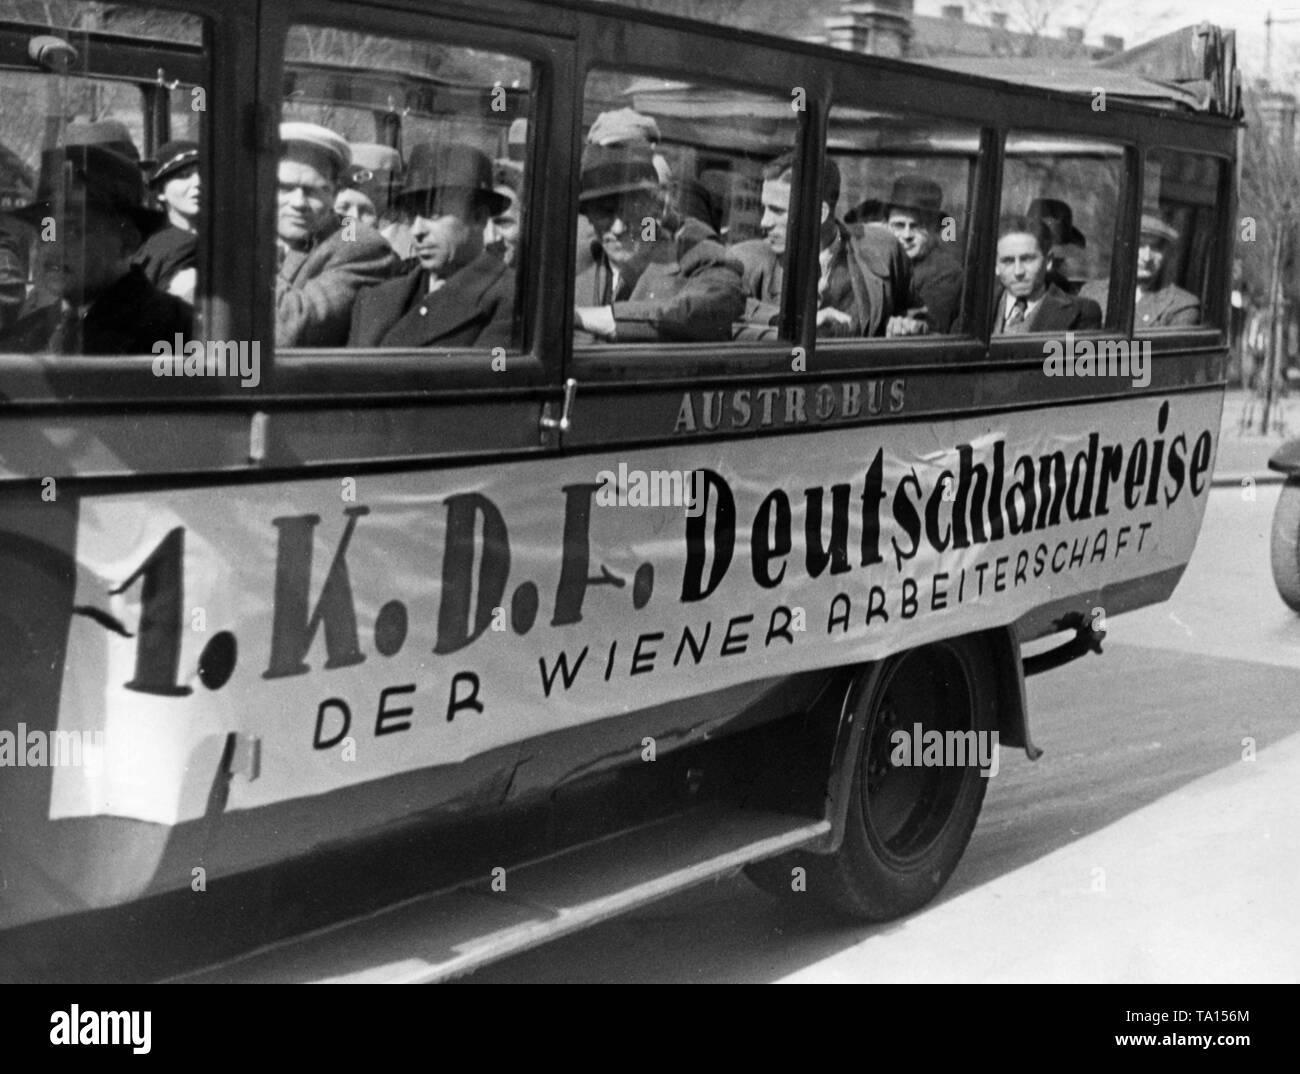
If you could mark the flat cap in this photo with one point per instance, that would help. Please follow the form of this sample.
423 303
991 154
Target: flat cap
1153 225
623 127
320 139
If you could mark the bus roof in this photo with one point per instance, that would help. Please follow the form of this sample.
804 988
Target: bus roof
1193 69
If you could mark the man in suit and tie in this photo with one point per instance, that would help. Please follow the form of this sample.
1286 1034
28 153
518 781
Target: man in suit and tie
458 294
1026 301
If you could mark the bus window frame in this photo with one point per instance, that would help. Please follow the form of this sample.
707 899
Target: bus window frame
128 379
392 372
1214 307
951 348
585 39
610 363
1122 248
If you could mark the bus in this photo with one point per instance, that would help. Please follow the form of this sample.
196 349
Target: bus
669 458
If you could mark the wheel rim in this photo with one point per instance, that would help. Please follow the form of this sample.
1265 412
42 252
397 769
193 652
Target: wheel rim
907 808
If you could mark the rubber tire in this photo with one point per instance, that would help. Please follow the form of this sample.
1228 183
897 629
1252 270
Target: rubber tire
1284 546
868 879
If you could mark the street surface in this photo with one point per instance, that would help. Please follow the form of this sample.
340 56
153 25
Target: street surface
1140 848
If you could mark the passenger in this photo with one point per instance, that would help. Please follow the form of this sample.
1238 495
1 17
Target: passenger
458 294
619 127
13 277
90 298
1026 302
17 187
376 173
1159 304
352 204
1065 261
625 127
915 217
700 200
169 258
870 211
649 280
322 268
865 286
501 232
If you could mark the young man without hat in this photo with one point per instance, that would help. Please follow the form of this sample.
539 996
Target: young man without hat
1026 301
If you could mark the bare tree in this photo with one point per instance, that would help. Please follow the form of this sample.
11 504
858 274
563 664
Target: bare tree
1269 215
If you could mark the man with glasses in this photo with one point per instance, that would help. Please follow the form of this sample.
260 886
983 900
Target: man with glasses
323 266
458 294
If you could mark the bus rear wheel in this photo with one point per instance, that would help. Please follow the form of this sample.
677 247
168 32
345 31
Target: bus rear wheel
909 824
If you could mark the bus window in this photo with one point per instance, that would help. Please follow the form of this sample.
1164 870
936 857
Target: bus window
1177 244
401 193
684 207
100 188
1060 200
915 179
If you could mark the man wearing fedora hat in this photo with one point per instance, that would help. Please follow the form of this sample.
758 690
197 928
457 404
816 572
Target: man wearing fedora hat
650 277
915 216
169 257
1159 304
89 297
865 285
323 266
458 294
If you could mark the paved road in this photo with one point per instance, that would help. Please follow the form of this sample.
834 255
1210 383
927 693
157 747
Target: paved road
1141 847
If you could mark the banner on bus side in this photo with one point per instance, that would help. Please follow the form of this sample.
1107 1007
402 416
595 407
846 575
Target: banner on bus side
353 628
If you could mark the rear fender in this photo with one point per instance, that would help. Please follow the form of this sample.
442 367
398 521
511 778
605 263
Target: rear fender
1012 722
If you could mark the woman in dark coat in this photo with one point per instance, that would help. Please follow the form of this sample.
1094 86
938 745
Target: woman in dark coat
169 258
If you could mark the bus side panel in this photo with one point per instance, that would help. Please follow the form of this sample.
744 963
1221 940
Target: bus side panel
258 645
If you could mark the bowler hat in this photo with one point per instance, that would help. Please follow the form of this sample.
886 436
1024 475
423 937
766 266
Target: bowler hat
172 157
447 166
617 169
1059 218
108 133
1153 225
918 194
108 180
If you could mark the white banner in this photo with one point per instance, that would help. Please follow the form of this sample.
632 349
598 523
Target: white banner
395 622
